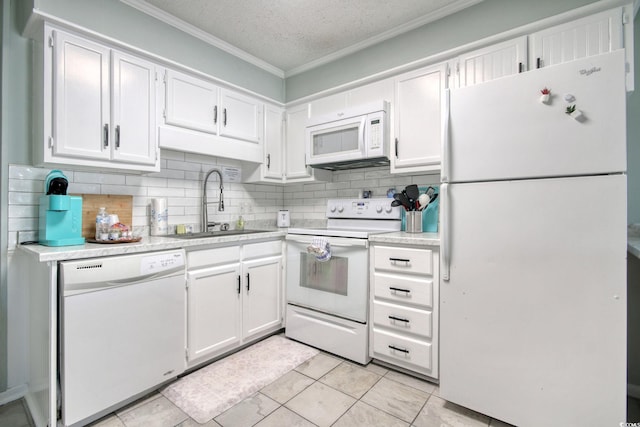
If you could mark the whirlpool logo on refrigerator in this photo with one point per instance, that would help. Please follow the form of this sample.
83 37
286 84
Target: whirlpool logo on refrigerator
587 73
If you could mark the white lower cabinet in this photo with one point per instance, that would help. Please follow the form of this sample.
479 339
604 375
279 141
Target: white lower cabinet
404 307
234 295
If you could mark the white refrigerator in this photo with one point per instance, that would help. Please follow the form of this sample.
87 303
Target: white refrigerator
533 296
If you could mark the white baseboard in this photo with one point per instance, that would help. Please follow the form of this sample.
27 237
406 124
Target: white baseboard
633 390
13 393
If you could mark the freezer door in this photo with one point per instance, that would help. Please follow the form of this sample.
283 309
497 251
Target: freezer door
502 130
533 316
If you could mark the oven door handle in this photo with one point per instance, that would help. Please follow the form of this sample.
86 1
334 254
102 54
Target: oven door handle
333 241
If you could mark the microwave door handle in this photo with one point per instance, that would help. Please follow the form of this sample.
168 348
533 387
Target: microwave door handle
361 133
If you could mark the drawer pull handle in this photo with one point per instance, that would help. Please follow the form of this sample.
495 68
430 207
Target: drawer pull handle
399 319
406 291
394 260
402 350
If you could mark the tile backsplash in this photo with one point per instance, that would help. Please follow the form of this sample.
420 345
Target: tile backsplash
180 181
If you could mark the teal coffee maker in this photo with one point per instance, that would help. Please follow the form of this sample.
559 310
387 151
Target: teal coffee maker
60 221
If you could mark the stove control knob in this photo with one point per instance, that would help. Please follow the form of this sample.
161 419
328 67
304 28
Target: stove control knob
379 208
332 208
388 209
340 208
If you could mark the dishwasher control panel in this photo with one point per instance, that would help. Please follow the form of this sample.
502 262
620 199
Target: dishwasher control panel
155 263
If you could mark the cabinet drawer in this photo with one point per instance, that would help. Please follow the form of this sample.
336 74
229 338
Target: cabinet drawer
402 319
214 256
405 260
404 289
262 249
401 350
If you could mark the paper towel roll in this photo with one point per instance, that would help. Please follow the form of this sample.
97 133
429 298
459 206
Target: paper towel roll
159 217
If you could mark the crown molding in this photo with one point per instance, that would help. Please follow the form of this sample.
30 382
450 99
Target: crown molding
401 29
169 19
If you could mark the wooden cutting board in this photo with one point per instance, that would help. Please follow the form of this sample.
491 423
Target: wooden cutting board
115 204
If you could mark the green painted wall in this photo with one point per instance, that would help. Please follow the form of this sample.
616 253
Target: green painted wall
482 20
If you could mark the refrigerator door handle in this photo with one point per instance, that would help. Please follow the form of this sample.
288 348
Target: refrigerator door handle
446 232
444 167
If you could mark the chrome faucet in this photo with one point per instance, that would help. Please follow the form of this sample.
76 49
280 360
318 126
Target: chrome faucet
205 224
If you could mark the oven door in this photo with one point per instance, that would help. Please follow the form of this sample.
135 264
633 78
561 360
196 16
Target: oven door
339 286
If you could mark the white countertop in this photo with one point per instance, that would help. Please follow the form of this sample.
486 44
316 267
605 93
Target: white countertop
156 243
404 238
147 244
633 240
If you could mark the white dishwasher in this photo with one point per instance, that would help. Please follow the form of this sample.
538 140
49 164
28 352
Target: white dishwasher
122 329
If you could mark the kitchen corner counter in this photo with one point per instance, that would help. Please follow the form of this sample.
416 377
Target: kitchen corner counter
633 240
147 244
404 238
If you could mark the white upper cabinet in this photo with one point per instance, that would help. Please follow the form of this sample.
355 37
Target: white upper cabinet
583 37
272 167
98 106
134 103
273 138
191 103
241 116
296 169
201 117
492 62
418 120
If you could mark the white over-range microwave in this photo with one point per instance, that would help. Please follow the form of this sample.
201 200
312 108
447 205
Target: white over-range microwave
349 139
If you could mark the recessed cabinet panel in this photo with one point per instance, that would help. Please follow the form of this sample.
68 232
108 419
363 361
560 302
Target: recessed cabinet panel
592 35
495 61
418 128
407 320
273 142
80 97
191 103
403 351
262 309
241 116
214 299
134 97
403 260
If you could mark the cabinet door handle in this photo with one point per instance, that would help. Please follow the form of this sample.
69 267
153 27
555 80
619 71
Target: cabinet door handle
215 114
239 279
405 260
248 282
268 161
403 350
396 148
520 67
399 319
105 136
117 136
394 289
224 117
538 62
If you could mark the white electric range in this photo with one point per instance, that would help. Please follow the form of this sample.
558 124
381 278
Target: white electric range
327 301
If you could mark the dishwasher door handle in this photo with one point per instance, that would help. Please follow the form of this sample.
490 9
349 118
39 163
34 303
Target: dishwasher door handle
81 288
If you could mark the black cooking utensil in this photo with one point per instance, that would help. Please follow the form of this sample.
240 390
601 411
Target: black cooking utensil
412 191
395 203
402 198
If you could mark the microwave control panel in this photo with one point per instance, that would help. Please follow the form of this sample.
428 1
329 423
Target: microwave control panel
375 134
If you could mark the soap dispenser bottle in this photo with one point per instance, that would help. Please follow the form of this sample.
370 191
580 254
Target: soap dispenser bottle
240 223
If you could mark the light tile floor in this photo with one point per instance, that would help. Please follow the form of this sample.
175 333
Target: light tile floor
324 391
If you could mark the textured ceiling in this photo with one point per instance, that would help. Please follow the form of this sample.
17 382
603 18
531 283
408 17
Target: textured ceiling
290 34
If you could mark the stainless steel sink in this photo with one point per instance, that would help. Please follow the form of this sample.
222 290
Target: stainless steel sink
206 234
